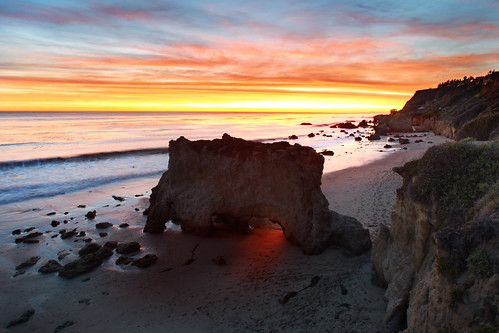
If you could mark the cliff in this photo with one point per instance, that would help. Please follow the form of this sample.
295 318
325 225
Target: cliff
457 109
227 182
439 260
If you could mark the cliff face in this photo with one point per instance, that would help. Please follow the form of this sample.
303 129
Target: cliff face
228 181
439 260
460 109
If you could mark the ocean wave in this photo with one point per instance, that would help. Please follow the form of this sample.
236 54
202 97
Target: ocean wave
22 193
8 165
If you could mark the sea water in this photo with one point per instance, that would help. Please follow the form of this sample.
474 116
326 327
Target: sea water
44 154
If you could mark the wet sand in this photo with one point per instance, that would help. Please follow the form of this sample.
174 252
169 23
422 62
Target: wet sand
266 284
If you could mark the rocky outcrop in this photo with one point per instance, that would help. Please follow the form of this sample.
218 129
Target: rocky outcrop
439 259
228 181
456 109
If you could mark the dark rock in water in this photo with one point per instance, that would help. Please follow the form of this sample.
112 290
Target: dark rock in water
91 215
363 124
311 135
403 141
358 138
31 241
85 264
136 209
103 225
51 266
127 248
391 140
145 261
89 248
82 206
306 124
55 223
388 146
103 234
123 260
28 238
111 244
118 198
373 137
51 213
293 137
66 213
29 229
81 234
28 263
16 232
346 125
326 152
124 225
194 190
418 141
68 234
138 195
22 319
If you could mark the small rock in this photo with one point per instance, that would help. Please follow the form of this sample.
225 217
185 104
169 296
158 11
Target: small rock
64 325
68 234
31 241
306 124
103 234
220 260
82 206
293 137
136 209
91 215
391 140
358 138
403 141
145 261
139 195
118 198
373 137
127 248
123 260
28 263
85 264
29 229
418 141
51 266
311 135
66 213
55 223
81 234
89 248
16 232
388 146
124 225
363 124
111 244
28 237
22 319
103 225
51 213
326 152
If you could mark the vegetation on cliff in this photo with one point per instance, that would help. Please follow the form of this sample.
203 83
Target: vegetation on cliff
457 109
440 258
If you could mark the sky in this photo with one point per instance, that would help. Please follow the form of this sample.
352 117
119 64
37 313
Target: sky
273 55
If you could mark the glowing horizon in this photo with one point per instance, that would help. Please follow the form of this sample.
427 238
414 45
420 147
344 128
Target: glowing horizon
316 56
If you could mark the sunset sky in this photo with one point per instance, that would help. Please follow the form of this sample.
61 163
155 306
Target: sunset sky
274 55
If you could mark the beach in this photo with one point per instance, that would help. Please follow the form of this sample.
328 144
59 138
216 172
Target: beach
227 282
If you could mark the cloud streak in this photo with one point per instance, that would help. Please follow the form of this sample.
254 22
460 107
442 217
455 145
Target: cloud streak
201 50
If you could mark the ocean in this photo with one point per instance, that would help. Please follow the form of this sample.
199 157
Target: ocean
44 154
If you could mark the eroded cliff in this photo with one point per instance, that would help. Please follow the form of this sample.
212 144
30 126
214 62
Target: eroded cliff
439 260
457 109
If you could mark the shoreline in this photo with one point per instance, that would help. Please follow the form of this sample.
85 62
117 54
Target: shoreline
253 291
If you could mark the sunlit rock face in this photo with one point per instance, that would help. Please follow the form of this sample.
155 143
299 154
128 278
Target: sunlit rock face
232 180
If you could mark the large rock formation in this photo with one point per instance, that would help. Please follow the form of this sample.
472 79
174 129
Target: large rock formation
456 109
439 260
231 180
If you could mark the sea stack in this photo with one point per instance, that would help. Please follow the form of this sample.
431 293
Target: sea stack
231 180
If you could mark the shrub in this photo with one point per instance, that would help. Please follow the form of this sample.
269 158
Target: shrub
481 264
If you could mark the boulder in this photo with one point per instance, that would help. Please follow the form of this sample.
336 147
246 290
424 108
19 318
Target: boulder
234 180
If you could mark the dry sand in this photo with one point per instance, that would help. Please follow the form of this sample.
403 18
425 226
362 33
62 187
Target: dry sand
261 288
